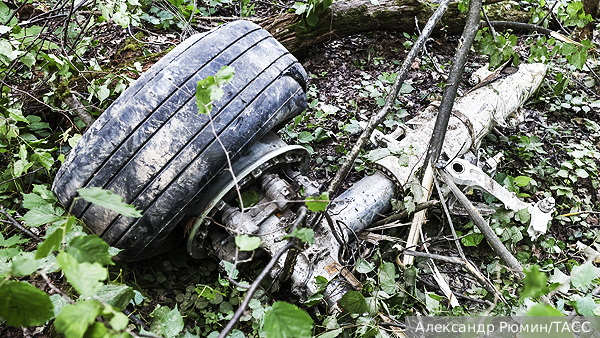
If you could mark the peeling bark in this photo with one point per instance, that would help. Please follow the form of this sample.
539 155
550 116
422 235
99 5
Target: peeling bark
355 16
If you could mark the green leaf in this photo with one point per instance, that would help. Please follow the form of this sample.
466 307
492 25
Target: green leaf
318 203
247 243
321 283
74 320
522 181
85 277
354 302
534 283
583 275
362 266
109 200
286 320
119 321
5 48
305 137
53 241
224 75
353 127
207 92
24 266
387 278
90 249
306 235
314 299
544 310
523 215
13 240
472 239
300 8
312 18
172 323
40 216
59 303
585 306
581 173
115 295
28 59
102 92
406 88
44 159
22 304
331 334
96 330
206 292
32 201
250 198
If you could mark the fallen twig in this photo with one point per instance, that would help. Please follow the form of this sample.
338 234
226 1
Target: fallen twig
456 240
55 289
458 295
578 213
79 109
419 218
485 229
20 176
18 225
465 264
240 311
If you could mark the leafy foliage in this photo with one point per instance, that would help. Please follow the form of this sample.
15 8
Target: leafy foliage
286 320
311 9
209 90
108 200
22 304
318 203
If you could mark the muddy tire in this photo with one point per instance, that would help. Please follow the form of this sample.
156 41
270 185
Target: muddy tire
153 149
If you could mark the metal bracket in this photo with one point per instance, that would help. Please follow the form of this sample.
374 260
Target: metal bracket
470 177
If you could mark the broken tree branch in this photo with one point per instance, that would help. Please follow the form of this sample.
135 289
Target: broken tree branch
456 240
443 117
454 79
17 225
485 229
79 109
240 311
518 26
378 118
345 18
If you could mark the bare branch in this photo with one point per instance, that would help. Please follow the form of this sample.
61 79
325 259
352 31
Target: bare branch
389 103
18 225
